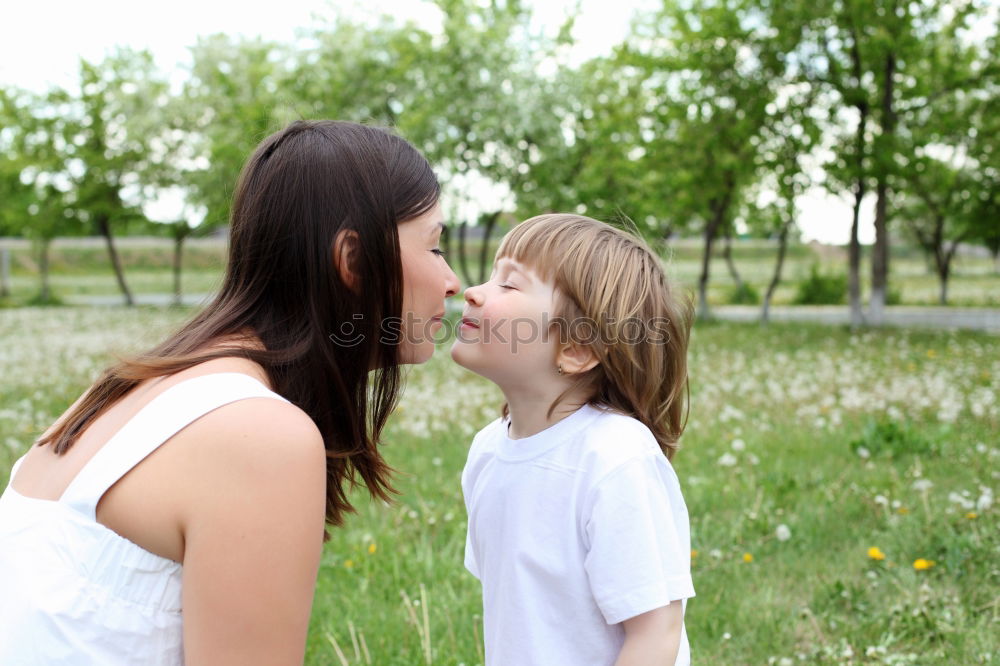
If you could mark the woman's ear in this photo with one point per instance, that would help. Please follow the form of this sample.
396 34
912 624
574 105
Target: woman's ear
576 359
346 253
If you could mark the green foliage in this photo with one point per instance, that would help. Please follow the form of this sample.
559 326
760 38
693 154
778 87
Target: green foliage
49 300
891 439
743 293
701 118
821 288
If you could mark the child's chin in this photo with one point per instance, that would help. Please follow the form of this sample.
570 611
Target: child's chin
458 356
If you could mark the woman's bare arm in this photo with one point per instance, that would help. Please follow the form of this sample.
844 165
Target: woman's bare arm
252 522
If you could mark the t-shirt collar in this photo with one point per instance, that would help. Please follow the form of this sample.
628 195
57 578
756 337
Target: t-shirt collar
526 448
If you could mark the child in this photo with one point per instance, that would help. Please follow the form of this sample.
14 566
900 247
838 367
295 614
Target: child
577 527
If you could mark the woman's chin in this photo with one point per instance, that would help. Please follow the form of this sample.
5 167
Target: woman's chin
416 355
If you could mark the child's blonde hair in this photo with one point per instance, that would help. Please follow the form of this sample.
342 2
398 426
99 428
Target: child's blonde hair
608 283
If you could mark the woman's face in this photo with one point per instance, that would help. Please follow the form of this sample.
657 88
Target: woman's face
427 282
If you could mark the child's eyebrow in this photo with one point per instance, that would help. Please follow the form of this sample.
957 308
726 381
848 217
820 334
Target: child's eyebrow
514 266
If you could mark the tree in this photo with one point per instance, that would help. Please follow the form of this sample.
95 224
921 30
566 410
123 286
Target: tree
232 100
35 184
117 141
713 72
789 140
483 114
871 58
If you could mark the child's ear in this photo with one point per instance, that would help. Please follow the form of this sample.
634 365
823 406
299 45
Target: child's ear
345 257
576 359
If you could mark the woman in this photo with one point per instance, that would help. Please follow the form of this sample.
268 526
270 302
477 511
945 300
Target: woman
220 453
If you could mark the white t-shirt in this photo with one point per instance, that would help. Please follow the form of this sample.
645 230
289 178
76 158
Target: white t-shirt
572 531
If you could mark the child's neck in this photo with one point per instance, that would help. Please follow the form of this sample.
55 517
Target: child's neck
529 413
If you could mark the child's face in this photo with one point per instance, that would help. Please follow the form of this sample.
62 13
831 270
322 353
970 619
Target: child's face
505 332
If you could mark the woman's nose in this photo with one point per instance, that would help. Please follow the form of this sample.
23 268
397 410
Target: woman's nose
451 284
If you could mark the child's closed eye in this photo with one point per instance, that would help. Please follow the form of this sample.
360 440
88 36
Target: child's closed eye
508 286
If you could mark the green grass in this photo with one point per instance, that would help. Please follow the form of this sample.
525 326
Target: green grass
852 441
80 268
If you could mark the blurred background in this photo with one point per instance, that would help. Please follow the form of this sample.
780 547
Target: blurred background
813 152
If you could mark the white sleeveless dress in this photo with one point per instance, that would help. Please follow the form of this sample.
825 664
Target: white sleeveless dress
72 591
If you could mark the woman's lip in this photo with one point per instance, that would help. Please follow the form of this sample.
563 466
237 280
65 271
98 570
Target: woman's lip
469 323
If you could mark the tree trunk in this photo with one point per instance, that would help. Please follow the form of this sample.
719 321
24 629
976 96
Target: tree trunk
4 272
719 209
776 278
490 223
943 275
45 291
706 260
463 261
727 253
447 241
854 258
178 257
880 253
104 226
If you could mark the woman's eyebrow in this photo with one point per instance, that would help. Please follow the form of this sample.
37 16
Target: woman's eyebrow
439 226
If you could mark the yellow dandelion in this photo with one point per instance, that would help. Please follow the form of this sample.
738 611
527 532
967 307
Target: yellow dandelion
931 353
972 515
911 366
694 553
747 557
371 548
876 553
920 564
902 511
349 564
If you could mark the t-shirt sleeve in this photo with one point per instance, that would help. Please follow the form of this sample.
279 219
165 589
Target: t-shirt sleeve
636 561
470 555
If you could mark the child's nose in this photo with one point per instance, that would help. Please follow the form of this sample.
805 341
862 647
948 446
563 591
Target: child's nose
474 295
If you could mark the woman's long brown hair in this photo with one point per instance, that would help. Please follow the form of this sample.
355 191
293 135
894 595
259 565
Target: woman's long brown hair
302 186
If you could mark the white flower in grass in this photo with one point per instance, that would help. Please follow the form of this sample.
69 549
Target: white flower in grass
754 460
715 553
963 502
727 460
738 445
985 500
783 533
864 453
922 485
882 500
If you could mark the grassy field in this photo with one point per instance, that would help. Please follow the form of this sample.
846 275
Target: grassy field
841 488
80 268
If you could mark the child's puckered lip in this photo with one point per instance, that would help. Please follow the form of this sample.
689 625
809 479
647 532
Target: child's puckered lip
469 321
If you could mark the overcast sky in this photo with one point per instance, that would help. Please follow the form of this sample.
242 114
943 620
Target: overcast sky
41 43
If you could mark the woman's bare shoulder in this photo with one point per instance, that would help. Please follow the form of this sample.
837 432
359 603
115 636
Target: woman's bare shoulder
256 434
